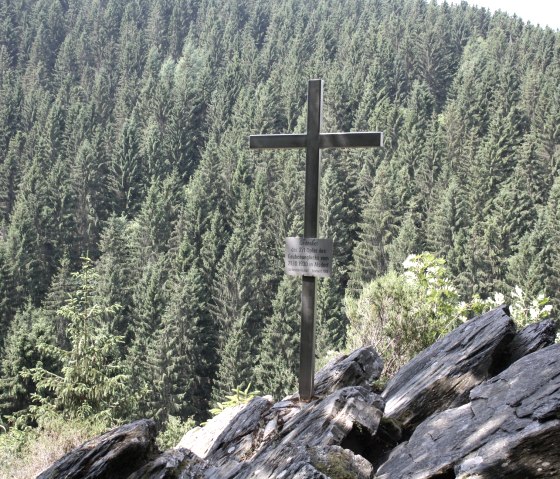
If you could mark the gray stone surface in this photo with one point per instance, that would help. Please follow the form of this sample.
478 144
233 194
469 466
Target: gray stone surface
232 434
510 428
360 368
299 439
170 464
310 433
441 376
532 338
113 455
336 461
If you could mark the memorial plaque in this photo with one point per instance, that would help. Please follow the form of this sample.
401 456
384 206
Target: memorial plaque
308 257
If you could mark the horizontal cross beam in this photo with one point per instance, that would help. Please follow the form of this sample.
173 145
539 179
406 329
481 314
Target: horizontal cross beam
326 140
358 139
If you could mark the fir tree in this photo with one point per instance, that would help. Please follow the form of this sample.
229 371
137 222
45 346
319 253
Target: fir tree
279 350
378 229
29 329
7 310
535 266
126 170
187 351
116 275
236 362
91 383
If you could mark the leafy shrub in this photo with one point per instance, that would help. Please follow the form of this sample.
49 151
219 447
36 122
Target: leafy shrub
401 314
523 309
238 396
174 429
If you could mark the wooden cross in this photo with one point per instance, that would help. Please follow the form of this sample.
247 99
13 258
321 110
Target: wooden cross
313 141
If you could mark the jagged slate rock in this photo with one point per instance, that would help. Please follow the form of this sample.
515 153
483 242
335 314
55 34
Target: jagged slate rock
113 455
230 434
335 461
328 421
323 462
360 368
225 470
233 435
306 471
510 428
442 375
331 421
170 464
532 338
200 440
278 415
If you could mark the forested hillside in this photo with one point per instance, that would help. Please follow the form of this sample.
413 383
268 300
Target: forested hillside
124 131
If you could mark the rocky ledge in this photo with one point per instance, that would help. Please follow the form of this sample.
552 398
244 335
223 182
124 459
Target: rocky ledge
482 402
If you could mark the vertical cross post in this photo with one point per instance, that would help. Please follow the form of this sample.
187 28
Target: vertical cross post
310 230
313 141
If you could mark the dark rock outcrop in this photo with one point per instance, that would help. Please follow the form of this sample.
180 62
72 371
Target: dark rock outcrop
360 368
482 402
532 338
442 375
293 438
113 455
510 428
304 446
171 464
232 434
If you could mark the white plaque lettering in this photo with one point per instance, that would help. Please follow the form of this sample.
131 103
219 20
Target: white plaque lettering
308 257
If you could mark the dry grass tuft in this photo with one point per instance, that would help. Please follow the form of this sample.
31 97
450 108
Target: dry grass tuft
25 454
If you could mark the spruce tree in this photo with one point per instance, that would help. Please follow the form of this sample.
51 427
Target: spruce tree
378 228
236 363
187 351
153 225
29 329
444 219
89 194
7 310
92 382
278 359
126 171
10 175
116 273
335 216
28 248
150 296
63 284
535 265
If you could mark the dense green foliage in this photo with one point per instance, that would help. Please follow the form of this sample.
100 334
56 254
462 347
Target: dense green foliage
402 314
123 138
92 383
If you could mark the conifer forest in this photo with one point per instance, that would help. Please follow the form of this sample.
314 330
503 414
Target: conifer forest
142 242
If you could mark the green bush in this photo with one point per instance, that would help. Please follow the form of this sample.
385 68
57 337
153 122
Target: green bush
523 309
238 396
173 431
401 314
